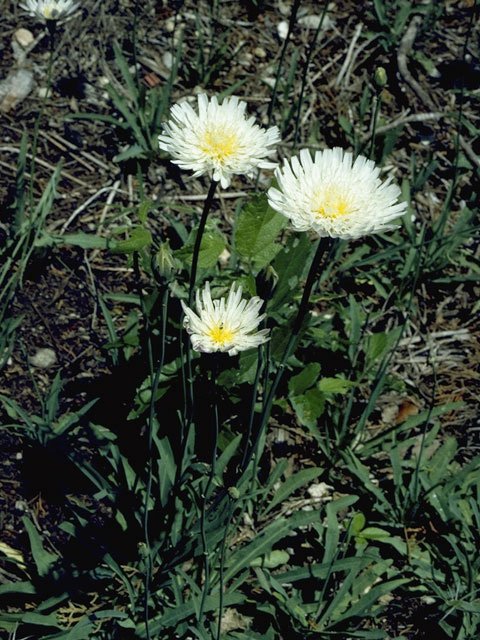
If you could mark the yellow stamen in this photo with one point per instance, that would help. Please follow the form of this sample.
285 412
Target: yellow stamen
220 144
332 204
221 335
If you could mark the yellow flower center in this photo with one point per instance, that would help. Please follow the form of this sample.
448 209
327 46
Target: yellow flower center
221 335
219 143
331 203
50 12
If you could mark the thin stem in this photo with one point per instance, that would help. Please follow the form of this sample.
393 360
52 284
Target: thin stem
211 476
291 24
198 240
148 491
305 73
416 490
376 111
223 547
252 405
379 376
154 381
193 277
51 28
448 200
323 247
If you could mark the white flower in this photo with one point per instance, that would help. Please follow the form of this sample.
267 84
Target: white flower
334 195
220 325
219 140
50 9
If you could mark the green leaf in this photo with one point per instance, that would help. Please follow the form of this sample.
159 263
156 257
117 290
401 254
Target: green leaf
332 529
228 453
304 380
377 344
138 240
264 542
272 560
374 533
256 229
85 241
335 385
362 606
44 560
83 629
211 247
171 618
321 571
289 265
245 372
24 587
357 524
144 209
133 151
441 460
299 479
309 407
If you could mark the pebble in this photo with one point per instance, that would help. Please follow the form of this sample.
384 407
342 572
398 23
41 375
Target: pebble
320 490
24 37
167 59
260 52
44 358
42 92
312 22
282 29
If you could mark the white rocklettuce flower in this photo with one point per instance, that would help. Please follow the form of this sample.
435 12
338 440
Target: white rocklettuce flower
218 140
334 195
50 9
224 325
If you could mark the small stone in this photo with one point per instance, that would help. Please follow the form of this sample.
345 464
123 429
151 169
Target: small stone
313 22
170 25
282 29
24 37
15 88
44 358
260 52
320 491
167 59
43 91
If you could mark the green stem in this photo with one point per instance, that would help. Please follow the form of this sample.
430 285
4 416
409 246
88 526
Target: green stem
323 247
442 220
252 405
26 250
305 73
198 240
193 277
376 111
36 129
211 477
148 491
291 24
154 382
223 548
416 489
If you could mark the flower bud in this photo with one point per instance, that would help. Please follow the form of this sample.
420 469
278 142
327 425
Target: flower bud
234 493
164 261
380 78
